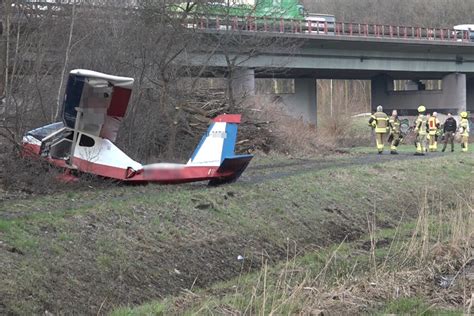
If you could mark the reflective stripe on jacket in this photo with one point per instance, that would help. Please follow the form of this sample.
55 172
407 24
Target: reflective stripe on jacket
394 123
421 125
433 125
381 120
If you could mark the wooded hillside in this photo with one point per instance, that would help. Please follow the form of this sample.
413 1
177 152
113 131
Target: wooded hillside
428 13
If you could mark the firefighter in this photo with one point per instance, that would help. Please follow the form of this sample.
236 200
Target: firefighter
464 131
395 133
427 132
421 128
379 121
433 126
449 129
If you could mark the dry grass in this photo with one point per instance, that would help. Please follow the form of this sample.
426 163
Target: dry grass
435 264
425 269
292 136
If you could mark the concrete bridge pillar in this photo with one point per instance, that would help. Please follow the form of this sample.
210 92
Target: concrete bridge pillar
451 98
242 81
470 95
303 103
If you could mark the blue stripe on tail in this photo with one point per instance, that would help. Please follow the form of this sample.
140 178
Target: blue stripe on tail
229 141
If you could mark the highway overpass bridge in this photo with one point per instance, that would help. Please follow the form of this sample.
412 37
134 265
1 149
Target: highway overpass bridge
392 54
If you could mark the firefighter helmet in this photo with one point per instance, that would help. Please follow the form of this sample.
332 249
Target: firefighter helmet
421 109
464 114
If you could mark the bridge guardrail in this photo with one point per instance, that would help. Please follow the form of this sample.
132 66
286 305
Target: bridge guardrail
280 25
311 27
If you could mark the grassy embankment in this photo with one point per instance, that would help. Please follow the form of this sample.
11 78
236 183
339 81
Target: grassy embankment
418 268
92 251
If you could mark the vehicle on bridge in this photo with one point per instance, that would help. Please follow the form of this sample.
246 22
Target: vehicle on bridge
93 109
288 13
469 28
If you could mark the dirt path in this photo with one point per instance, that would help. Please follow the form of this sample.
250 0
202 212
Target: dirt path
300 166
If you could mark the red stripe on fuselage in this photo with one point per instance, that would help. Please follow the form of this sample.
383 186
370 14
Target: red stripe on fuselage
160 175
30 150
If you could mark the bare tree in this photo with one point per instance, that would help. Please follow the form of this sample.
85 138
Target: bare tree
5 45
66 60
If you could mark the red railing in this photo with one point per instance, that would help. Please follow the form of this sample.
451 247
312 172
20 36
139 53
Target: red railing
308 27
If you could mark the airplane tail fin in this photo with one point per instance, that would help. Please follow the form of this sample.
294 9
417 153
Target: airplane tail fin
218 143
231 168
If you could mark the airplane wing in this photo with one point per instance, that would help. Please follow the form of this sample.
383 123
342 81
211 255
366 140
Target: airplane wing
96 103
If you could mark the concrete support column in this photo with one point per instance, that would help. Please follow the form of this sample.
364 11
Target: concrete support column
380 89
303 103
470 95
454 92
242 83
451 98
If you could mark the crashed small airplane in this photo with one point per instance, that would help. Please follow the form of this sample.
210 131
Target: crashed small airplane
93 109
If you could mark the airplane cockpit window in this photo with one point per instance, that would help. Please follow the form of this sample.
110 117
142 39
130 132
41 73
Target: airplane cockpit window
57 146
86 141
44 131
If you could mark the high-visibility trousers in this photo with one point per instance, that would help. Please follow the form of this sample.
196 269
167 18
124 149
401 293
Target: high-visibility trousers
433 141
464 142
420 143
395 141
379 140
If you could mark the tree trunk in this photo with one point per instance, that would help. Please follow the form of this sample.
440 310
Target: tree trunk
66 60
4 47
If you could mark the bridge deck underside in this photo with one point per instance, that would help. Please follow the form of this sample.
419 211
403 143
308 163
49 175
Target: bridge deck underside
292 73
326 57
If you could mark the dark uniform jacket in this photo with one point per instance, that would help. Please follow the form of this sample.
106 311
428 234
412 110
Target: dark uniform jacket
450 125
